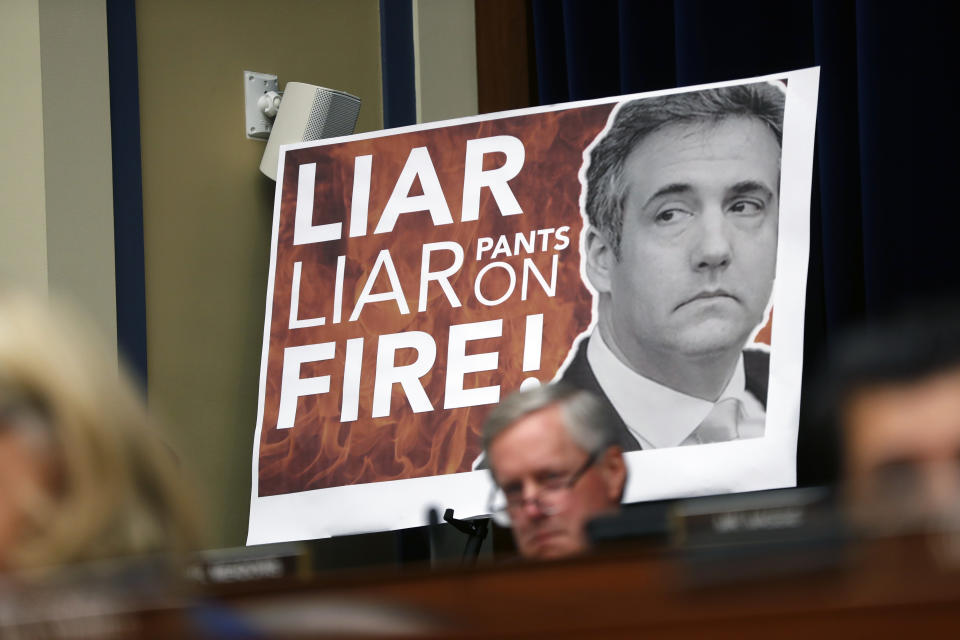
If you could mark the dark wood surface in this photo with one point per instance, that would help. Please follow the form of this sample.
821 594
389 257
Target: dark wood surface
814 588
506 77
879 589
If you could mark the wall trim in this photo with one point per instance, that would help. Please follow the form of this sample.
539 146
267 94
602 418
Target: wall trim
397 63
127 185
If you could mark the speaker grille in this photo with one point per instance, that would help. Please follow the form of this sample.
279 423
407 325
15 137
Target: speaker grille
333 114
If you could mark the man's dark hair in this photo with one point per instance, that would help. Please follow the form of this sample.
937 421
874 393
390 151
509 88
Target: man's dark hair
637 119
900 348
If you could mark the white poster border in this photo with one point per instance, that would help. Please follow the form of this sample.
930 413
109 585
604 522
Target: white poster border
743 465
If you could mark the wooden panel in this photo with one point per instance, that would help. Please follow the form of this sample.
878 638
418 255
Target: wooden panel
506 71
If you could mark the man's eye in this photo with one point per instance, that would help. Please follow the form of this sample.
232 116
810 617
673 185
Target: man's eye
898 479
746 207
553 480
671 216
512 493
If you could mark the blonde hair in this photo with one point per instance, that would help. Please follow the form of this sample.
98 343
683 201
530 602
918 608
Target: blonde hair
117 490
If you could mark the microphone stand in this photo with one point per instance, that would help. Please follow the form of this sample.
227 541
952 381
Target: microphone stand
476 531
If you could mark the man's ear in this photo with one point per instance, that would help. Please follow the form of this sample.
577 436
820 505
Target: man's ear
600 259
614 469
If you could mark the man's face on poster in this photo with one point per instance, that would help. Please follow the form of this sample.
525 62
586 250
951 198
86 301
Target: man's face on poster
699 240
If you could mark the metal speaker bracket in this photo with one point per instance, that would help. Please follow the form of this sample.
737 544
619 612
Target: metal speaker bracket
255 85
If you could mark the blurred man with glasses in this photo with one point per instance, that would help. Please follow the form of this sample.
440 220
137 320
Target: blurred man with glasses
892 394
555 459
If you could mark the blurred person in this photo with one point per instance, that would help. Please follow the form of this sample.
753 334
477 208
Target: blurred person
83 474
892 394
681 193
554 456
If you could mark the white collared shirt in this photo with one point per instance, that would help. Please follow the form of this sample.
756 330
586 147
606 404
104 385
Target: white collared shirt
658 416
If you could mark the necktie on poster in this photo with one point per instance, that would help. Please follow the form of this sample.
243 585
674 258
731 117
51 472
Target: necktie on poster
720 425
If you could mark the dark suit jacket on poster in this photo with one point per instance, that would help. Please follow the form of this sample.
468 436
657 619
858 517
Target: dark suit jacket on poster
756 369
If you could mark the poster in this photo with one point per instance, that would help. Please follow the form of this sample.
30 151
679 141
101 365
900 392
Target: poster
420 274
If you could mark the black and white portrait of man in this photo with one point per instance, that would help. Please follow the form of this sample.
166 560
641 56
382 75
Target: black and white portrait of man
679 246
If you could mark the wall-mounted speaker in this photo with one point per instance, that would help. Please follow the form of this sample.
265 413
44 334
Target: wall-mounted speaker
306 113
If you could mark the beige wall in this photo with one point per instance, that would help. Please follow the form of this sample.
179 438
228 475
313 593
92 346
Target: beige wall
78 167
56 222
23 232
208 210
445 59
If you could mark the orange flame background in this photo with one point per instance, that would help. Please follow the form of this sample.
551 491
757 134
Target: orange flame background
320 451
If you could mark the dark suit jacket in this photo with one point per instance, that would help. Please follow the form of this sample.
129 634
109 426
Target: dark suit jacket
756 366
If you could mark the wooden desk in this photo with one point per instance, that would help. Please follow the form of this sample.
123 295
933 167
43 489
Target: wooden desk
888 588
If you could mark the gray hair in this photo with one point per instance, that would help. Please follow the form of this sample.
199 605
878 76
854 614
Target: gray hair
637 119
587 419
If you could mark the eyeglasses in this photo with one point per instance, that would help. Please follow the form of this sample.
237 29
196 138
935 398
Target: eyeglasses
549 498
